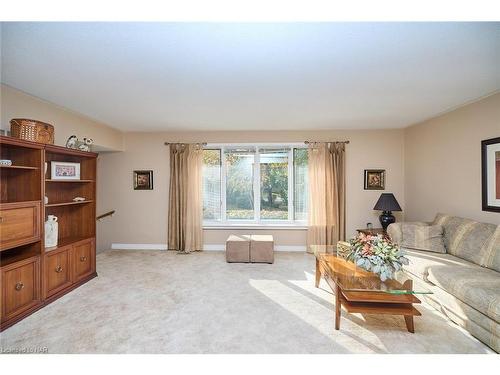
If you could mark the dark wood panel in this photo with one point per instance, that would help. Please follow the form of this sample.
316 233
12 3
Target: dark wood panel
19 224
20 287
84 259
58 271
380 297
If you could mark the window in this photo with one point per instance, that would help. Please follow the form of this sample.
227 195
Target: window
211 184
273 184
257 185
239 184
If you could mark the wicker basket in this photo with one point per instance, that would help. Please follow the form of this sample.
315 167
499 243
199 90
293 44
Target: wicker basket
32 130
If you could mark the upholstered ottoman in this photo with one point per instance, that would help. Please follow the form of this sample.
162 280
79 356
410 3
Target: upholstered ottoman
261 248
238 249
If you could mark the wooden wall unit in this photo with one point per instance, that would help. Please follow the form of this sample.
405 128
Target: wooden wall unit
31 275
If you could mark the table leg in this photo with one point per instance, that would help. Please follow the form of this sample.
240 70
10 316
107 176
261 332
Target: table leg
318 273
409 323
337 307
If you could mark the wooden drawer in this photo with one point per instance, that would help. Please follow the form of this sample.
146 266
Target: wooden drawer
19 224
20 287
84 259
58 270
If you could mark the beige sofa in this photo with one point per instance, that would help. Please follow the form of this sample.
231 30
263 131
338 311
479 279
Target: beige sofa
465 281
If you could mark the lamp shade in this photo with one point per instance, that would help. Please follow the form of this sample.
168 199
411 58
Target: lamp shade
387 202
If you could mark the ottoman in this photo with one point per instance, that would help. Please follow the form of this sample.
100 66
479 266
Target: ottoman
238 249
261 248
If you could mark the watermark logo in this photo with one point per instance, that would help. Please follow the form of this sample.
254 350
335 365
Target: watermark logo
25 350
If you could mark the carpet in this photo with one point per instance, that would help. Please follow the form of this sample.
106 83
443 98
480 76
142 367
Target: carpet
162 302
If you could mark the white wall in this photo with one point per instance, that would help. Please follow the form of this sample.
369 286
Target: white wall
443 162
141 216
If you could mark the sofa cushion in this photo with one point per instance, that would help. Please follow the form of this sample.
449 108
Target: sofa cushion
476 286
470 240
422 261
491 256
395 230
425 238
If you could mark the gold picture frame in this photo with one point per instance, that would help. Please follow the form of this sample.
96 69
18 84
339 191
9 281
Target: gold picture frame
374 179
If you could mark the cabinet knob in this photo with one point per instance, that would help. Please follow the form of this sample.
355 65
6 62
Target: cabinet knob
1 219
19 286
83 259
59 269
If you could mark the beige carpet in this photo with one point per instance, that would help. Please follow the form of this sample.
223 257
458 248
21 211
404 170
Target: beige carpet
161 302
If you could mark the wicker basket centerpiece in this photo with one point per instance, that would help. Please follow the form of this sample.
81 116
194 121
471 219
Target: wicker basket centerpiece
32 130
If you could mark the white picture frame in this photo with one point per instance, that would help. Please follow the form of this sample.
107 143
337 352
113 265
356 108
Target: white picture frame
61 170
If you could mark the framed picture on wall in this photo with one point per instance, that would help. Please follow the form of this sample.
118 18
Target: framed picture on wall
374 179
490 168
143 180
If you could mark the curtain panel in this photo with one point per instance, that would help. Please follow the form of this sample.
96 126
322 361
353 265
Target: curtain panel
326 193
185 204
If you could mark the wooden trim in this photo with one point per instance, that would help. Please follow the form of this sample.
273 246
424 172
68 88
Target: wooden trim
69 151
68 203
18 167
20 142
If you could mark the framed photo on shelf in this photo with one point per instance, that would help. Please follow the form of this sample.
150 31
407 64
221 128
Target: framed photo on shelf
490 168
143 180
60 170
374 179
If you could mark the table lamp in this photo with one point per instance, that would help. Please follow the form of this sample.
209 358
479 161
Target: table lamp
387 203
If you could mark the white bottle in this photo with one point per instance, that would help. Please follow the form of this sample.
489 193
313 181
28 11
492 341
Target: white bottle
51 230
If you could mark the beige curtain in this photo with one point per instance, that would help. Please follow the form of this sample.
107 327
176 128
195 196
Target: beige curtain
326 193
185 208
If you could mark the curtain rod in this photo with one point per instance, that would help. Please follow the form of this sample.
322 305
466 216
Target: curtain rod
305 142
169 143
346 142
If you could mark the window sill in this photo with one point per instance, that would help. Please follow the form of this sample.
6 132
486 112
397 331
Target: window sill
255 226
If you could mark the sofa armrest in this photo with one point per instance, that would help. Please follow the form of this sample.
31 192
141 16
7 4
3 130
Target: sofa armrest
395 232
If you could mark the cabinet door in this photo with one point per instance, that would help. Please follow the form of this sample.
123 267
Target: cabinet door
21 287
19 224
84 259
58 271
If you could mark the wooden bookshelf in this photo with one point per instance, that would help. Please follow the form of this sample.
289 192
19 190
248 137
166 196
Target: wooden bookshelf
23 188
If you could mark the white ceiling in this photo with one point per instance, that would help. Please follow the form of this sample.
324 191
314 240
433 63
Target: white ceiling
213 76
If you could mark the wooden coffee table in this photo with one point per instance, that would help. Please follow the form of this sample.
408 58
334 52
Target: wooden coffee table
360 291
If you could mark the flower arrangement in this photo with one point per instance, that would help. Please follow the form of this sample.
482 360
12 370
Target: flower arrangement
378 254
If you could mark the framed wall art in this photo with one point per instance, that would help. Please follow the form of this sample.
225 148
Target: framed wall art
60 170
143 180
490 168
374 179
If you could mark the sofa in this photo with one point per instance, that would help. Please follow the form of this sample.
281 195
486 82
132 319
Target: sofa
463 274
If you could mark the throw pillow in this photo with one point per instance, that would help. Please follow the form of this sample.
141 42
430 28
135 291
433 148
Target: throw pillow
426 238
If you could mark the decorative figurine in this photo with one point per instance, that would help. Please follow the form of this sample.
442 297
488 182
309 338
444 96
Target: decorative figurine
85 145
72 142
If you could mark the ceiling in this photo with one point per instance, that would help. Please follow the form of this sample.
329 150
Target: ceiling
226 76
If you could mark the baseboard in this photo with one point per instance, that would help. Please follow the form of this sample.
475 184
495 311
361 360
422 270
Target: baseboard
138 246
206 247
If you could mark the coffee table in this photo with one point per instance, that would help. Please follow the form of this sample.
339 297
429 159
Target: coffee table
360 291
